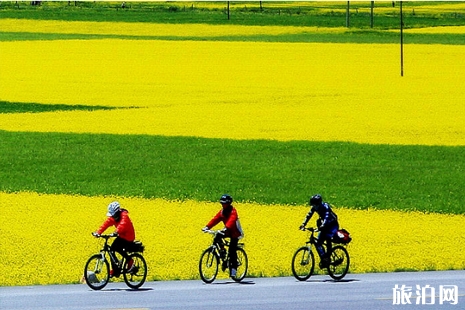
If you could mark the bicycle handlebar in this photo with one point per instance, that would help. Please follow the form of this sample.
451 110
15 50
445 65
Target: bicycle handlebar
213 232
112 235
312 229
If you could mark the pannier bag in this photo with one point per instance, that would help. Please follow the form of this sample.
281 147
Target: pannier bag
137 246
342 236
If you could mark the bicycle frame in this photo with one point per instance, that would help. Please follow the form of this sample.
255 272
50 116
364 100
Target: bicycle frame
107 250
312 239
212 259
97 271
303 260
217 246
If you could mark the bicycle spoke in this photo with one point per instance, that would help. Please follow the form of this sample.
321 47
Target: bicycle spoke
303 264
208 265
339 264
135 271
242 265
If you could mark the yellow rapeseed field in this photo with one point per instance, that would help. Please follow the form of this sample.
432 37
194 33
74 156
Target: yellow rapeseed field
152 29
46 238
267 90
280 91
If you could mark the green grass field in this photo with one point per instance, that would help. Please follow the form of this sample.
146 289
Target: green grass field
321 14
18 107
425 178
355 36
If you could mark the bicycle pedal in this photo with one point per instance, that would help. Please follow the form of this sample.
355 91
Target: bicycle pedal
324 264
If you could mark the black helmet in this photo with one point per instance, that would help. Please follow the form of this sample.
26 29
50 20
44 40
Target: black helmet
226 199
316 200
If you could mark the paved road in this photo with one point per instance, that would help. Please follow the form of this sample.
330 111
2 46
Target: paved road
356 292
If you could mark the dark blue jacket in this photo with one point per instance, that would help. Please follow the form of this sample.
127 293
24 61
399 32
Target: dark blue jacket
327 216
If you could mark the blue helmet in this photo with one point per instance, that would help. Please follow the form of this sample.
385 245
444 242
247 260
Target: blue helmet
316 200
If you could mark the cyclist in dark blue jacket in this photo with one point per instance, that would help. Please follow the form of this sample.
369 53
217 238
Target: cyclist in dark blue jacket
327 225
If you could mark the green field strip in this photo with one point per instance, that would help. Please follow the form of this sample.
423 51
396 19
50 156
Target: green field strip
358 36
420 14
425 178
21 107
308 14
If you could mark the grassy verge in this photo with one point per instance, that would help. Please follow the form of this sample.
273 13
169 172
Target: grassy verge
268 172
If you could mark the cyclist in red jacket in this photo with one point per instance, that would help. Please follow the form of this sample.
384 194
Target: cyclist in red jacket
124 230
232 229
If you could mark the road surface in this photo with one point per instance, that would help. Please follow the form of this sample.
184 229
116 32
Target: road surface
405 290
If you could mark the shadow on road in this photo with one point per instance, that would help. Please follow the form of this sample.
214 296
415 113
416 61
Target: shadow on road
143 289
343 280
249 282
331 280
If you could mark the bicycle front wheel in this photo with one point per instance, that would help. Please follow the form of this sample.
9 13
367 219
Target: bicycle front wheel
135 271
303 263
242 265
339 265
97 272
208 265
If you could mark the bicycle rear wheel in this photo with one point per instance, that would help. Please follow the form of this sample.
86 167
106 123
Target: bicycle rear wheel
135 271
208 265
303 263
340 261
242 265
97 272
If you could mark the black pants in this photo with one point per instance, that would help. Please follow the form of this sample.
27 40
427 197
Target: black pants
326 235
232 249
120 246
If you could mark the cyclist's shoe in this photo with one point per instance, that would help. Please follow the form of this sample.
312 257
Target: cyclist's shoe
233 272
324 263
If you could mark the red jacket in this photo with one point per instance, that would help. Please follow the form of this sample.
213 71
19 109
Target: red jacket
231 222
124 226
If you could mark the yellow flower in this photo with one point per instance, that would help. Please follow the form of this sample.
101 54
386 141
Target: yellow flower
279 91
49 231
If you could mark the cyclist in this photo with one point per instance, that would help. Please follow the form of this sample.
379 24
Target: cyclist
119 218
232 230
327 225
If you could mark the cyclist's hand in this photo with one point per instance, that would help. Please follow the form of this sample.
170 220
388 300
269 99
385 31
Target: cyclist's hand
115 234
205 229
96 235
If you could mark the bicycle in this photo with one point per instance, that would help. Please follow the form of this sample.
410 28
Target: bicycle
134 269
212 256
303 261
